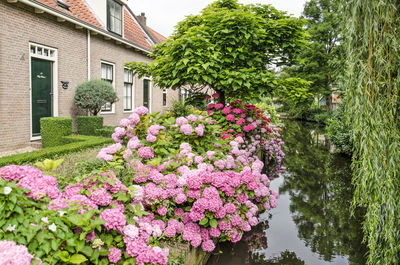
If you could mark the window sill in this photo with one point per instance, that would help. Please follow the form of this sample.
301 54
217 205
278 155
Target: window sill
107 113
128 111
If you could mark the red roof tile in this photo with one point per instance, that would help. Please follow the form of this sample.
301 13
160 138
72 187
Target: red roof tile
77 9
157 35
133 32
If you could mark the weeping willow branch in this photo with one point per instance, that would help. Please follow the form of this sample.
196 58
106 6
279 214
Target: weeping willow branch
372 107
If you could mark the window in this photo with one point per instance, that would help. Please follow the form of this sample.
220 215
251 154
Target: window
184 94
128 81
107 75
114 16
164 97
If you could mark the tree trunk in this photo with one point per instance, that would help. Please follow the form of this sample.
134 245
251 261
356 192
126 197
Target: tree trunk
328 99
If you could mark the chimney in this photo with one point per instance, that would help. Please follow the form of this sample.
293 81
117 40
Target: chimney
142 18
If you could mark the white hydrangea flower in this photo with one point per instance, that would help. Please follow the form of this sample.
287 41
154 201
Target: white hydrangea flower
62 213
7 190
53 227
11 227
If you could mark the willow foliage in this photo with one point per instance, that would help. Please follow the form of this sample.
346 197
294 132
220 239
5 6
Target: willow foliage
372 105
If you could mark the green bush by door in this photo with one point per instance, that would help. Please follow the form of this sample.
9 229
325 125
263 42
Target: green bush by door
52 130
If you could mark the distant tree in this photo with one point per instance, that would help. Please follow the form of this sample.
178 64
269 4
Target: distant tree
322 61
92 95
228 47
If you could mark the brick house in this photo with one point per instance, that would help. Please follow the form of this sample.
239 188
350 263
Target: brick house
48 47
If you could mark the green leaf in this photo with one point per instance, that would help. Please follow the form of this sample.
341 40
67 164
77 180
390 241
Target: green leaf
213 223
64 256
204 221
77 259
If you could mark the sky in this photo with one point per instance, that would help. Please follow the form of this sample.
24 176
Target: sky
163 15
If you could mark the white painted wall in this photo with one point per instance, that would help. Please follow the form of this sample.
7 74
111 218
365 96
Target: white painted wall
99 7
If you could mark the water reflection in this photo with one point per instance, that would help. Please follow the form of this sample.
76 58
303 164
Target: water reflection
312 223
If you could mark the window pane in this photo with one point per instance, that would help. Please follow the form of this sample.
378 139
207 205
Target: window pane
127 96
103 71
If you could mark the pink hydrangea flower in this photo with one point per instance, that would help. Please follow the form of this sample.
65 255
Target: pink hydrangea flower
162 211
114 218
146 152
142 110
181 121
192 117
226 110
186 129
115 255
13 254
230 117
219 106
199 130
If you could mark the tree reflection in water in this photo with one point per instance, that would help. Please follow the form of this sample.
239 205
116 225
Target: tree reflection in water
320 190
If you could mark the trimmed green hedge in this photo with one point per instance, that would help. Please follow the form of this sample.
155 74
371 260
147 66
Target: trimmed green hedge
52 129
106 131
76 143
87 125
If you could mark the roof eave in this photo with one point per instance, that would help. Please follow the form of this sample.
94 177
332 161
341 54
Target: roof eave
74 20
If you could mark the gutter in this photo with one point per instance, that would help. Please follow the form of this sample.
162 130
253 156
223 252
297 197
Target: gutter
69 18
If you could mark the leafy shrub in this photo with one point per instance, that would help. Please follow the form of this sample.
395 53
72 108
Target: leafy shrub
179 109
339 132
76 143
92 95
87 125
52 130
106 131
270 111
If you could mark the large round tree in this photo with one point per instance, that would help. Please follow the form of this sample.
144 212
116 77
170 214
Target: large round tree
229 47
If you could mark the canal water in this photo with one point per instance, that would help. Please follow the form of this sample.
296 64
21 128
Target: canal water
312 224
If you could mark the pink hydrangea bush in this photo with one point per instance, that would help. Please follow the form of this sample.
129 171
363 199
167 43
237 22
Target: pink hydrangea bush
202 185
13 254
168 179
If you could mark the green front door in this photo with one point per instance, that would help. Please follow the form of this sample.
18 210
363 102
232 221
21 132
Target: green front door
146 88
41 75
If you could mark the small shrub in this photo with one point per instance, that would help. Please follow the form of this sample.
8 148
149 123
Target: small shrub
53 129
180 109
92 95
87 125
106 131
76 143
338 132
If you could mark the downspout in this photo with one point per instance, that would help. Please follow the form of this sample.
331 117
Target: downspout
88 55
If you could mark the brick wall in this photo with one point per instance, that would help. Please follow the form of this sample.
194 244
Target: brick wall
19 25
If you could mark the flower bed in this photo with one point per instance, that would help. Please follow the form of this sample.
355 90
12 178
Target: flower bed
195 179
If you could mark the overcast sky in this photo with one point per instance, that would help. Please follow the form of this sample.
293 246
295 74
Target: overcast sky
163 15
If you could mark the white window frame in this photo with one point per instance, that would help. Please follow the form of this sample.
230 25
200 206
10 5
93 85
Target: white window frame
165 93
109 17
150 91
132 95
113 84
53 57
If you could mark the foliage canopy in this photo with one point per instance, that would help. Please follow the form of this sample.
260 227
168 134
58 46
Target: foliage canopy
372 106
322 59
228 47
93 94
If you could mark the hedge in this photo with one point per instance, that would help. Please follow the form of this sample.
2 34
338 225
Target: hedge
52 129
106 131
76 143
87 125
